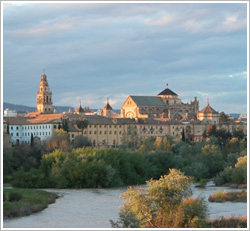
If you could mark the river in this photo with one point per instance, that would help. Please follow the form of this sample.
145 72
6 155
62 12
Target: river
93 208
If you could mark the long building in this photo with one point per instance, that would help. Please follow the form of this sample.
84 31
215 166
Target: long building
147 116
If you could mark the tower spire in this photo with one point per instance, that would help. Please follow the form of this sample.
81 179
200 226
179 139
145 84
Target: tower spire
167 86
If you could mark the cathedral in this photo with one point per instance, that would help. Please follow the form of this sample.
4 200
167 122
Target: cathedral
165 105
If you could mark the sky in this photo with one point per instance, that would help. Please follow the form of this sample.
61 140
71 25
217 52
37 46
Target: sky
94 51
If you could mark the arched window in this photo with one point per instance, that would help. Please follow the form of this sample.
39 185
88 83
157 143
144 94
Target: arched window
47 99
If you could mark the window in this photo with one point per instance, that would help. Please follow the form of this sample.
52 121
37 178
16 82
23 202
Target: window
120 132
85 133
54 126
114 132
11 133
90 132
16 128
109 126
46 134
11 128
72 135
120 126
95 132
17 134
41 126
95 126
105 132
100 132
110 132
100 126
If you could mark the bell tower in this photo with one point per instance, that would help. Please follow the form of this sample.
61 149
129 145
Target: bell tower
44 96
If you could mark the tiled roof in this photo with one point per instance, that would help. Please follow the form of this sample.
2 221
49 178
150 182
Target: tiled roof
167 92
147 100
208 110
107 107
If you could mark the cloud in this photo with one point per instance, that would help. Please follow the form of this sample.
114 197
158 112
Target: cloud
94 51
166 19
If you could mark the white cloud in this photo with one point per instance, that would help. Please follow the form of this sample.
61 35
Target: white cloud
166 19
242 74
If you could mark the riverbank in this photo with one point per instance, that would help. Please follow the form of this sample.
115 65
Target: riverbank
224 196
23 202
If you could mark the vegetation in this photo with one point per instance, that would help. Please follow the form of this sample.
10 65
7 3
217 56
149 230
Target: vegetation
82 123
86 168
223 196
229 222
166 203
21 202
236 174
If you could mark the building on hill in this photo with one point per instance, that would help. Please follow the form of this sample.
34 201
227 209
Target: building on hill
166 105
44 96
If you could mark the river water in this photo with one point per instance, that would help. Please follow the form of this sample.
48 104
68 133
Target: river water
93 208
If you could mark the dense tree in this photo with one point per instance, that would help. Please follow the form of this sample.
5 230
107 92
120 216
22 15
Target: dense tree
81 141
82 123
130 138
166 203
59 140
223 117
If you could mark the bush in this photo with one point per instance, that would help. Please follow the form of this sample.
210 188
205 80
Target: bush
229 222
164 204
13 196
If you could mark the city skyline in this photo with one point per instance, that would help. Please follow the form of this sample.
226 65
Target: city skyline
92 51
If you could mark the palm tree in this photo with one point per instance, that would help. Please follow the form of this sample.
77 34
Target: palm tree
82 123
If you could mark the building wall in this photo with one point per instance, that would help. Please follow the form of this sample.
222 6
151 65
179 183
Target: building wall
22 133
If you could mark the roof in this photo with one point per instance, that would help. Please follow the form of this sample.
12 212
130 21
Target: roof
107 107
80 109
208 110
88 110
40 119
167 91
147 101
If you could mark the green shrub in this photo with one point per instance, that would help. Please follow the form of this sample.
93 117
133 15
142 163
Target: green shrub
13 196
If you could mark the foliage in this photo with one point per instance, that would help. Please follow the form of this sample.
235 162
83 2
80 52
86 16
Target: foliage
229 222
81 141
223 117
130 138
21 202
59 140
86 168
223 196
165 203
237 175
82 123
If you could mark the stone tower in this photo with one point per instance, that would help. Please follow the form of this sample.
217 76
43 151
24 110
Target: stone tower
44 96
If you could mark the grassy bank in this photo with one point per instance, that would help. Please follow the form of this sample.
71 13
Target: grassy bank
223 196
229 222
23 202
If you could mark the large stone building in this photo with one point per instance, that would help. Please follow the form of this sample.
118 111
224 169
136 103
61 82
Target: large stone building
166 105
147 116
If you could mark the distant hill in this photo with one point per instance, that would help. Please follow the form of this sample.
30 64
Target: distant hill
26 109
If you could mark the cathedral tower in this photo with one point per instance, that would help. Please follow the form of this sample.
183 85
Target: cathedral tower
44 96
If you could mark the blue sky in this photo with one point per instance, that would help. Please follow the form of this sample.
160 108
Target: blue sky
91 52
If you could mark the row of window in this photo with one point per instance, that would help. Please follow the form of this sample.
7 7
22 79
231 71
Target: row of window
33 127
100 132
34 134
104 126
